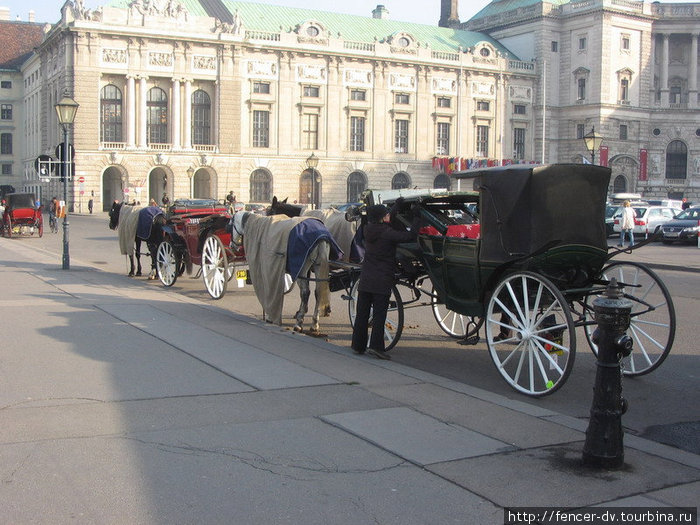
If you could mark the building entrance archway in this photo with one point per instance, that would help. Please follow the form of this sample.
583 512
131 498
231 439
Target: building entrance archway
112 187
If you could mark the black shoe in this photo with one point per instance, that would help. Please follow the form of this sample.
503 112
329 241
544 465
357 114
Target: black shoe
360 352
378 354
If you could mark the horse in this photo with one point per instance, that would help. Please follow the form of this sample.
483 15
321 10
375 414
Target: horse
275 245
136 224
342 227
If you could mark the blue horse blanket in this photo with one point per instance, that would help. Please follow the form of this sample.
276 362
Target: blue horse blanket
145 224
302 239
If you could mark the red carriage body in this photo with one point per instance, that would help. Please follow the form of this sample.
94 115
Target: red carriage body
21 215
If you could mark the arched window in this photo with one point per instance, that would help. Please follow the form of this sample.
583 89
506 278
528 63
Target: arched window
442 181
111 114
201 118
676 160
620 184
400 181
157 116
260 186
357 183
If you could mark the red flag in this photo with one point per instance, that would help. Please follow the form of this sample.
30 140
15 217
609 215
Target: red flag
604 155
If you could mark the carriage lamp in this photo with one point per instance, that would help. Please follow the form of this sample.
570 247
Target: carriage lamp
66 108
592 141
312 163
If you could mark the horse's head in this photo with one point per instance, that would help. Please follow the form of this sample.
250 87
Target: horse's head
114 215
236 226
282 208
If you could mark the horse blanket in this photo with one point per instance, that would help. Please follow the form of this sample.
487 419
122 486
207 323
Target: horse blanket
145 221
128 220
343 231
265 242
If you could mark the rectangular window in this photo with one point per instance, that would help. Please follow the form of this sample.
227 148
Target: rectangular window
555 46
625 43
519 143
401 136
582 43
6 84
402 98
261 129
310 131
519 109
358 94
482 141
624 89
443 138
6 111
444 102
581 93
261 87
311 91
357 134
623 132
675 95
7 169
6 144
482 105
580 131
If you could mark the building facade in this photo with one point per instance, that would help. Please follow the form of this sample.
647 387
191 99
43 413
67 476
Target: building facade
176 102
628 69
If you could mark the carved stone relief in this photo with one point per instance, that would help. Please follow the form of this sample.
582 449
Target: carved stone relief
447 86
523 93
204 63
309 73
260 69
484 89
114 57
357 77
160 60
399 81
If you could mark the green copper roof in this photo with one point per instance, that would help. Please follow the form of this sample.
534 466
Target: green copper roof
501 6
270 18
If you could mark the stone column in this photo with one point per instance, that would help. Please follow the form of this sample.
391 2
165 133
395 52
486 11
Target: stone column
693 79
215 114
187 120
664 71
130 111
142 113
176 131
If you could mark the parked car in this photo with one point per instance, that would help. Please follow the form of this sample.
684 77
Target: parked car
671 203
648 218
610 211
259 209
684 227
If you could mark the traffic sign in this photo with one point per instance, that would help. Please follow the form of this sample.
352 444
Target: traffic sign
81 179
44 165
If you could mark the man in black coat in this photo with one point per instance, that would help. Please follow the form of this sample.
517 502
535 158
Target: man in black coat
377 277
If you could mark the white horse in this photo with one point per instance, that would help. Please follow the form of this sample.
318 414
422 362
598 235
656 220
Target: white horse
279 245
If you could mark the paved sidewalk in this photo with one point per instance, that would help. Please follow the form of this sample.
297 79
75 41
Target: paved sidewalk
124 403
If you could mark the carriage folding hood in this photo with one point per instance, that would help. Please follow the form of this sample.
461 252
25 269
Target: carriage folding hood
523 208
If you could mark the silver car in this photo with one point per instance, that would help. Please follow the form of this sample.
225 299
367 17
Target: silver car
648 218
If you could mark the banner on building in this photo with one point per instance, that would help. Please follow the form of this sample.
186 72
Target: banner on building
604 155
642 164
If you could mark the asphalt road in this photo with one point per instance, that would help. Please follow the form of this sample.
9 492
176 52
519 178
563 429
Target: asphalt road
663 405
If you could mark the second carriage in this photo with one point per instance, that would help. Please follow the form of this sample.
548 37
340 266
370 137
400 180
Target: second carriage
523 253
195 234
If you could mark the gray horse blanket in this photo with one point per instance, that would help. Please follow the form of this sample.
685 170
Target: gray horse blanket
265 241
128 221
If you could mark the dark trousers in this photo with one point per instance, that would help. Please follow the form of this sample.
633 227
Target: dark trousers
378 304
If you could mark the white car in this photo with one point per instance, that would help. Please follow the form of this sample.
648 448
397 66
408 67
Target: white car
648 218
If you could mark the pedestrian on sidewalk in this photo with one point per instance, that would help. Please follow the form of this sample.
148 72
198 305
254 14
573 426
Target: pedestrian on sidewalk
377 277
627 224
90 203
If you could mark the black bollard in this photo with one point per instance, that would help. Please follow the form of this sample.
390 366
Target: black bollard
603 447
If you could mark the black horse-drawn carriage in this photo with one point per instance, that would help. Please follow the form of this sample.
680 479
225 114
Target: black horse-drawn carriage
523 253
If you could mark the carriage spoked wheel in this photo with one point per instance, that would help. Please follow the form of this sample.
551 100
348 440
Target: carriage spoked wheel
453 324
214 266
167 263
653 317
530 334
8 227
393 326
40 226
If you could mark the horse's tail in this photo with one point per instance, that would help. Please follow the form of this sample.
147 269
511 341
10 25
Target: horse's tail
323 274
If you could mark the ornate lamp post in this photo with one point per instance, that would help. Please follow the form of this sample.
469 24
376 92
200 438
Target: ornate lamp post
312 163
592 141
66 108
190 174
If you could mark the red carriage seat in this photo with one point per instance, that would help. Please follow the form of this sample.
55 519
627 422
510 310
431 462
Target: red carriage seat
465 231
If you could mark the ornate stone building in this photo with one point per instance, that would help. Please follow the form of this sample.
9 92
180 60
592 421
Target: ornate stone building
629 69
195 103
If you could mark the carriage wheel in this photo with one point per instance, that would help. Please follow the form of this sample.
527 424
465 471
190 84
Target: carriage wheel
40 226
8 227
653 320
167 263
453 324
393 327
214 266
530 334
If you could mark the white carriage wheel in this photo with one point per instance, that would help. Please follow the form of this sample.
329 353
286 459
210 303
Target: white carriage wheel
653 320
214 266
453 324
393 326
167 263
530 334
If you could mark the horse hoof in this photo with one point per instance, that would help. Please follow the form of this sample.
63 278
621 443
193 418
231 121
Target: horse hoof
298 328
138 274
131 274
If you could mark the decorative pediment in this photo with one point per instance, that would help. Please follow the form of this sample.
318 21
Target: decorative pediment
581 72
625 72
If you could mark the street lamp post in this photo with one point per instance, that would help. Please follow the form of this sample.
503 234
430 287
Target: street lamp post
311 163
66 108
592 141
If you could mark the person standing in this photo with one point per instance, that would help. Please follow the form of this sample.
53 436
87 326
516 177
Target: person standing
90 203
165 200
627 224
377 277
